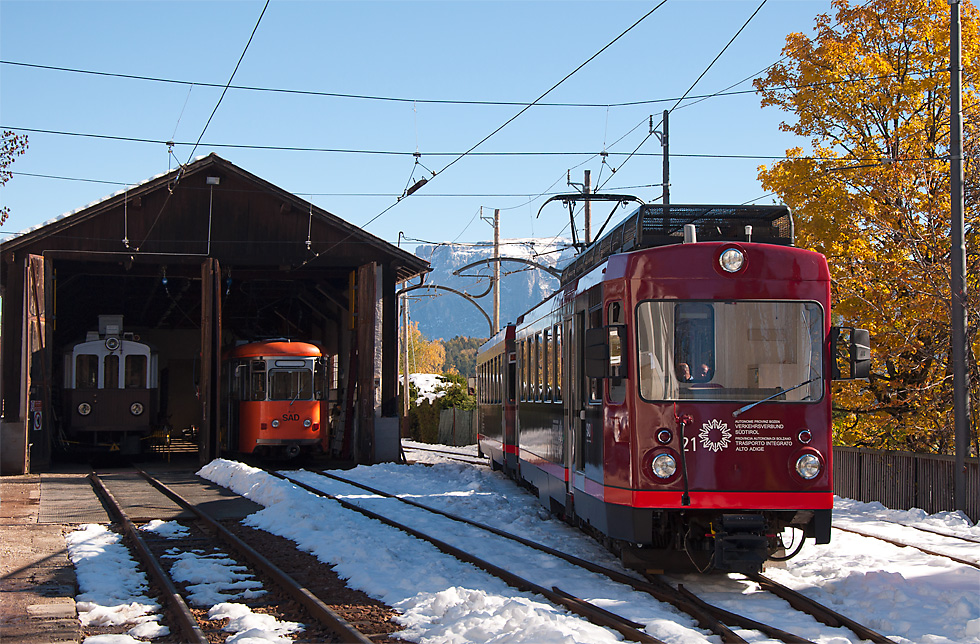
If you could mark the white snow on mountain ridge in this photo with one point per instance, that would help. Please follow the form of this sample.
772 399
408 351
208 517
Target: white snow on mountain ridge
441 314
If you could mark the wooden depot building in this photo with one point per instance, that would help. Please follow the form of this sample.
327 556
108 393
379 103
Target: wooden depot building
193 262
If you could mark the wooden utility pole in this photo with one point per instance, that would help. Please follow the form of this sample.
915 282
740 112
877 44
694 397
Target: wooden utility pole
405 387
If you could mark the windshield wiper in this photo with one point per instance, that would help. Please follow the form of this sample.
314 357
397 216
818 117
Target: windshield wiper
737 412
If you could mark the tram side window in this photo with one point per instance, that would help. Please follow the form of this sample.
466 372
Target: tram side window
110 372
258 380
498 380
320 379
617 352
86 371
546 365
526 370
558 372
536 367
519 371
595 385
235 381
136 372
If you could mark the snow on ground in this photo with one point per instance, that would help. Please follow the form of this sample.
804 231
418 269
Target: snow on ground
900 592
111 588
905 594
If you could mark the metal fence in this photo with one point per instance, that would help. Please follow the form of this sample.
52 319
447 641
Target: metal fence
903 480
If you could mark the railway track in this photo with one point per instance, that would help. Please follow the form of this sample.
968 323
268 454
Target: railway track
454 456
629 629
716 620
929 551
208 542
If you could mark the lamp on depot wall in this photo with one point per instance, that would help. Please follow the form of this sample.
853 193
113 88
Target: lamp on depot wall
213 181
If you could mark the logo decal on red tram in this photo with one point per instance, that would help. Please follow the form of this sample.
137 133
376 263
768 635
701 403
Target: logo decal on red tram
715 435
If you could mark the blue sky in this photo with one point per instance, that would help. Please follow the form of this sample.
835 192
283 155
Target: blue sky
420 51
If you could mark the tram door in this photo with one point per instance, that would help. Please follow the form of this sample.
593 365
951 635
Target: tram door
576 396
586 394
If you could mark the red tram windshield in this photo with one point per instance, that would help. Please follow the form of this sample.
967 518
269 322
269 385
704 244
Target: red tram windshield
730 350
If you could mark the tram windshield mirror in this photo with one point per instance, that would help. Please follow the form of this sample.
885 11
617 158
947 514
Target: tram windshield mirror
851 353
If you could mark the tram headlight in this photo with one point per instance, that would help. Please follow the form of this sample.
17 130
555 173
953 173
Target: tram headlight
663 466
732 260
307 423
808 466
275 423
84 409
136 408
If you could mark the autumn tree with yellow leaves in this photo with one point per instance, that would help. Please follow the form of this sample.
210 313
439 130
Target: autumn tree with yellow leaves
870 91
424 356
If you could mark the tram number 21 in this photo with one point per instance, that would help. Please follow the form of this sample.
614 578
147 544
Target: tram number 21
690 444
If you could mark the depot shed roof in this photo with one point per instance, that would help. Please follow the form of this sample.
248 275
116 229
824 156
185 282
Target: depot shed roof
213 208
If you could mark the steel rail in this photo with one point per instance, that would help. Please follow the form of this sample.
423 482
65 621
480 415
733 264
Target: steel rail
744 622
937 532
453 456
187 625
318 610
707 616
909 545
818 611
594 614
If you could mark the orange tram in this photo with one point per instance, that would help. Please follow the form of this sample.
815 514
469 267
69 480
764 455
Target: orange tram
272 393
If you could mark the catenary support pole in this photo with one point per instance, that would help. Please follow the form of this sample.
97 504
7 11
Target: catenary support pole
664 143
496 272
958 353
588 207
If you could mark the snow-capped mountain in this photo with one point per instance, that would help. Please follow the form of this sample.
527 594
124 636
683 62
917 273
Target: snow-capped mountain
443 314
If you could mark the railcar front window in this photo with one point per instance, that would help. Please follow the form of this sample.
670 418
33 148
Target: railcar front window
735 350
86 371
136 372
291 384
110 368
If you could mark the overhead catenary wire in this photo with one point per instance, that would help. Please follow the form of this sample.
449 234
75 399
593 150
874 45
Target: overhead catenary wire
526 153
515 117
462 102
206 125
691 88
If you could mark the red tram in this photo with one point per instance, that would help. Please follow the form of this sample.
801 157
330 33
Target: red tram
272 393
673 397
